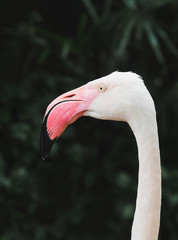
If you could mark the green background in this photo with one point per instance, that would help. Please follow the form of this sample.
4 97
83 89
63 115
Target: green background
86 189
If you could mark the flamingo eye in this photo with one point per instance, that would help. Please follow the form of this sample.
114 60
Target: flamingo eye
101 88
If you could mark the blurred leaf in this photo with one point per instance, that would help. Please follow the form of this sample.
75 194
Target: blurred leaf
91 9
5 182
154 42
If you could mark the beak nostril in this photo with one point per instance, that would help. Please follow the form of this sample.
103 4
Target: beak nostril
69 96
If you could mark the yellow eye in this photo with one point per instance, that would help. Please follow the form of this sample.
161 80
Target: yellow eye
101 88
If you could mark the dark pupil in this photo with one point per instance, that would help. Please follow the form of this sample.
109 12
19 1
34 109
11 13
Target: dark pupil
101 88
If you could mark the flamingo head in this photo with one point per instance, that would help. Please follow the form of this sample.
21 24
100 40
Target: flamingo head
111 98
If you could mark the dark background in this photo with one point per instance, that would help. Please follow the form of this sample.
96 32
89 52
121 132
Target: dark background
87 188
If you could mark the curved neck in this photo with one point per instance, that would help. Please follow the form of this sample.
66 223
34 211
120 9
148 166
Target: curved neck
147 214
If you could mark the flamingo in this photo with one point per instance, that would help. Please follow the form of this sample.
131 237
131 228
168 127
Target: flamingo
119 96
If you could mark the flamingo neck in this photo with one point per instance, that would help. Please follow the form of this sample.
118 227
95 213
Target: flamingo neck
147 213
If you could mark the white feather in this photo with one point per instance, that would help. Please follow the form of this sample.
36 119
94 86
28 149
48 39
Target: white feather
127 99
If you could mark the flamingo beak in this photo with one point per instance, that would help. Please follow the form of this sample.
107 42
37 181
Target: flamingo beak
63 111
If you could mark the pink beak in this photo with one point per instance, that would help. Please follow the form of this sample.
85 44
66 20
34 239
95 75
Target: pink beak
63 111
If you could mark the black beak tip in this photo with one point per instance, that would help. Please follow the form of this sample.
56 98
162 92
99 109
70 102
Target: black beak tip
45 142
43 156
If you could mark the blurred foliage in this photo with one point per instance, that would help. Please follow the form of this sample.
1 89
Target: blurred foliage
87 188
